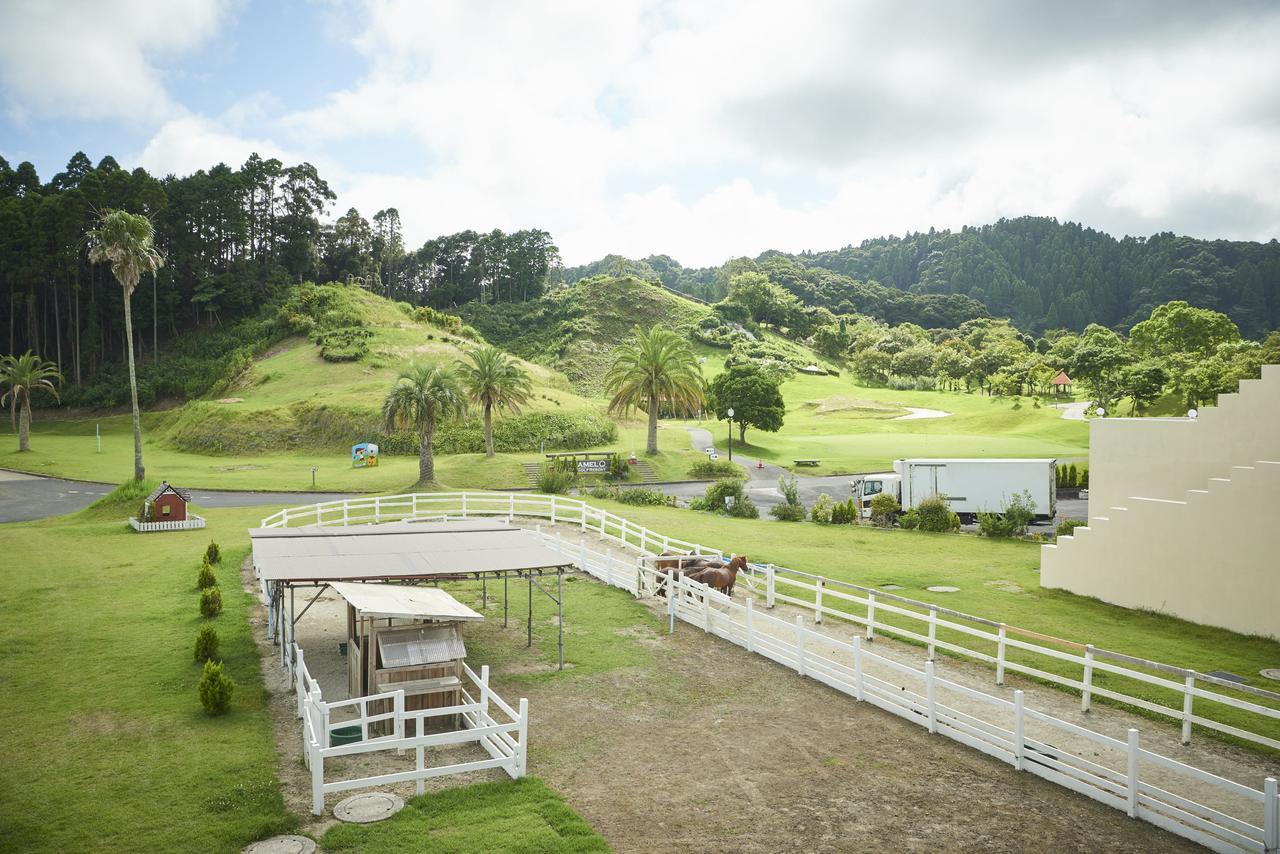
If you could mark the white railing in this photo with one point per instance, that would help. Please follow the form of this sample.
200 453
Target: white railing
506 740
190 523
864 606
1170 794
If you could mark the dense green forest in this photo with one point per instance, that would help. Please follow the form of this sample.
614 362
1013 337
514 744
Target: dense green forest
232 240
1040 273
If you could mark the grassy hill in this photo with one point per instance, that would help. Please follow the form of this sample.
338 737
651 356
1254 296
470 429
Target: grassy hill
575 329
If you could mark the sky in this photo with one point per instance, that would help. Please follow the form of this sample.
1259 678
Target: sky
702 130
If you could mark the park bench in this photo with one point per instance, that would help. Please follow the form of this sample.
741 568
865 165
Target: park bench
813 463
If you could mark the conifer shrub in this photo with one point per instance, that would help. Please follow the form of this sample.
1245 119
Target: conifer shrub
206 578
216 688
213 554
207 644
211 601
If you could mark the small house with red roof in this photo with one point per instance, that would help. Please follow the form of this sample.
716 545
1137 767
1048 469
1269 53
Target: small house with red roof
165 509
1061 383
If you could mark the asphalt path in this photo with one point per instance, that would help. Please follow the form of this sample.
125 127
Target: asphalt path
24 497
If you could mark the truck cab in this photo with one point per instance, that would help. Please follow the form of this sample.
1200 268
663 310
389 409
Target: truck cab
871 485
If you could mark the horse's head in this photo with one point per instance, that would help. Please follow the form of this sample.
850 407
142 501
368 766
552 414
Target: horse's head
739 563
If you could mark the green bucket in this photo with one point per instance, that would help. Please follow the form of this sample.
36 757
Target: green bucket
344 735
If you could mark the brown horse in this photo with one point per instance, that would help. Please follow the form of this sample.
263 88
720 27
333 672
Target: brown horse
721 577
676 565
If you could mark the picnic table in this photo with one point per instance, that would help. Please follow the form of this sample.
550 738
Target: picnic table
813 463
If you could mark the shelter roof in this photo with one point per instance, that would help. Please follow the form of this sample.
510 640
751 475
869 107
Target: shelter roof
184 494
396 601
1061 379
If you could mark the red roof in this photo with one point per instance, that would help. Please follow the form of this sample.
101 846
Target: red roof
1061 379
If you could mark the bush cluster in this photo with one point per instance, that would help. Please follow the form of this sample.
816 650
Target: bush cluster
211 601
1070 477
207 644
216 688
640 497
556 480
791 509
714 469
844 512
1010 522
933 515
1067 527
820 512
713 500
884 510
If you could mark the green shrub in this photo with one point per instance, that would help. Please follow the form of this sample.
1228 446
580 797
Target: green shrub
1083 480
934 515
556 480
211 601
713 500
820 512
714 469
1067 527
844 512
909 521
884 509
213 554
207 644
619 468
791 509
646 497
206 578
1073 477
216 688
1012 521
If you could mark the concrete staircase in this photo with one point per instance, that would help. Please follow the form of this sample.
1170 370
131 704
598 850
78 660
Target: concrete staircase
1207 551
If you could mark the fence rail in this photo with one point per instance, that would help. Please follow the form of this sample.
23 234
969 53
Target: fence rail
192 522
506 741
806 650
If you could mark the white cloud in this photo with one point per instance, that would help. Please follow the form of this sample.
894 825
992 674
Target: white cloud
94 60
707 130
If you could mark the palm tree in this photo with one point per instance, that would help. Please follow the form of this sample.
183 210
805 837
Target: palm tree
21 375
657 367
494 379
421 396
125 240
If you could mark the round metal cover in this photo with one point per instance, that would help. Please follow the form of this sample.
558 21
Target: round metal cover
942 588
281 845
367 808
1271 673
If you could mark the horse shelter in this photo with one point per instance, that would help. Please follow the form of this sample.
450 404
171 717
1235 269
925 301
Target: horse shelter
404 648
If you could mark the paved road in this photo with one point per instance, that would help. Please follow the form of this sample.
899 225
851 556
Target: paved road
24 497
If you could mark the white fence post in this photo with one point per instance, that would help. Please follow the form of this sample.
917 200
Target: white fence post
672 581
397 726
415 509
582 516
857 667
930 693
751 638
817 600
317 780
464 505
484 696
933 628
706 610
345 513
1088 678
553 510
377 510
769 586
1000 656
1019 723
800 644
1132 780
871 616
522 761
511 506
1271 816
300 685
1188 695
421 764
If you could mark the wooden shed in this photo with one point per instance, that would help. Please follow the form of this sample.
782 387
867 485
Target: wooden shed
406 638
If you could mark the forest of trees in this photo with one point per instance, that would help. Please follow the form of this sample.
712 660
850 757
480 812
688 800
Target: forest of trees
230 238
1040 273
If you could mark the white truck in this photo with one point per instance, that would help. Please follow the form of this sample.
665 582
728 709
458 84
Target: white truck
969 487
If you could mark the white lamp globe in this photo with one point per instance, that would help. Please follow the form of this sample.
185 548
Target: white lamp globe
1191 413
1100 411
730 412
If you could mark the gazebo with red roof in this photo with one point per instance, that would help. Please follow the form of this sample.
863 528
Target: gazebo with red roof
1061 383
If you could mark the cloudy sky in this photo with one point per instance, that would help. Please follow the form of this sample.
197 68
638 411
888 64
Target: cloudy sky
703 130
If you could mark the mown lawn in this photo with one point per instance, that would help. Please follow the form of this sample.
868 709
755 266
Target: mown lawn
507 816
106 746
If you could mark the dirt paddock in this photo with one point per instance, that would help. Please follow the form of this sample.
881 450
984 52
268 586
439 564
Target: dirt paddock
710 748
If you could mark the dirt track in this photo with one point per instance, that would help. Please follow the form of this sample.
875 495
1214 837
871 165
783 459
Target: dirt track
714 749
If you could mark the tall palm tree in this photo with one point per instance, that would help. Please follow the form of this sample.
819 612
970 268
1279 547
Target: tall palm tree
126 241
21 375
492 378
655 368
421 396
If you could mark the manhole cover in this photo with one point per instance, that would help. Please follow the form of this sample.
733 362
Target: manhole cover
1230 677
281 845
892 587
369 807
942 588
1271 673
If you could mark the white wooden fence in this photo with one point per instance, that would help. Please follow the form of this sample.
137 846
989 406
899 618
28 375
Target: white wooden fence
188 524
816 655
506 740
1176 688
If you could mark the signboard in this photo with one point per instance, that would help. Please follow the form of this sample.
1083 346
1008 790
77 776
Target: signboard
364 455
593 466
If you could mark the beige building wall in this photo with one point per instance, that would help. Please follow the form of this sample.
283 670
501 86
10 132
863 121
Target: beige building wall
1184 515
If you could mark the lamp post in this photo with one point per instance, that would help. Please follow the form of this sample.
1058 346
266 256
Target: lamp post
730 414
